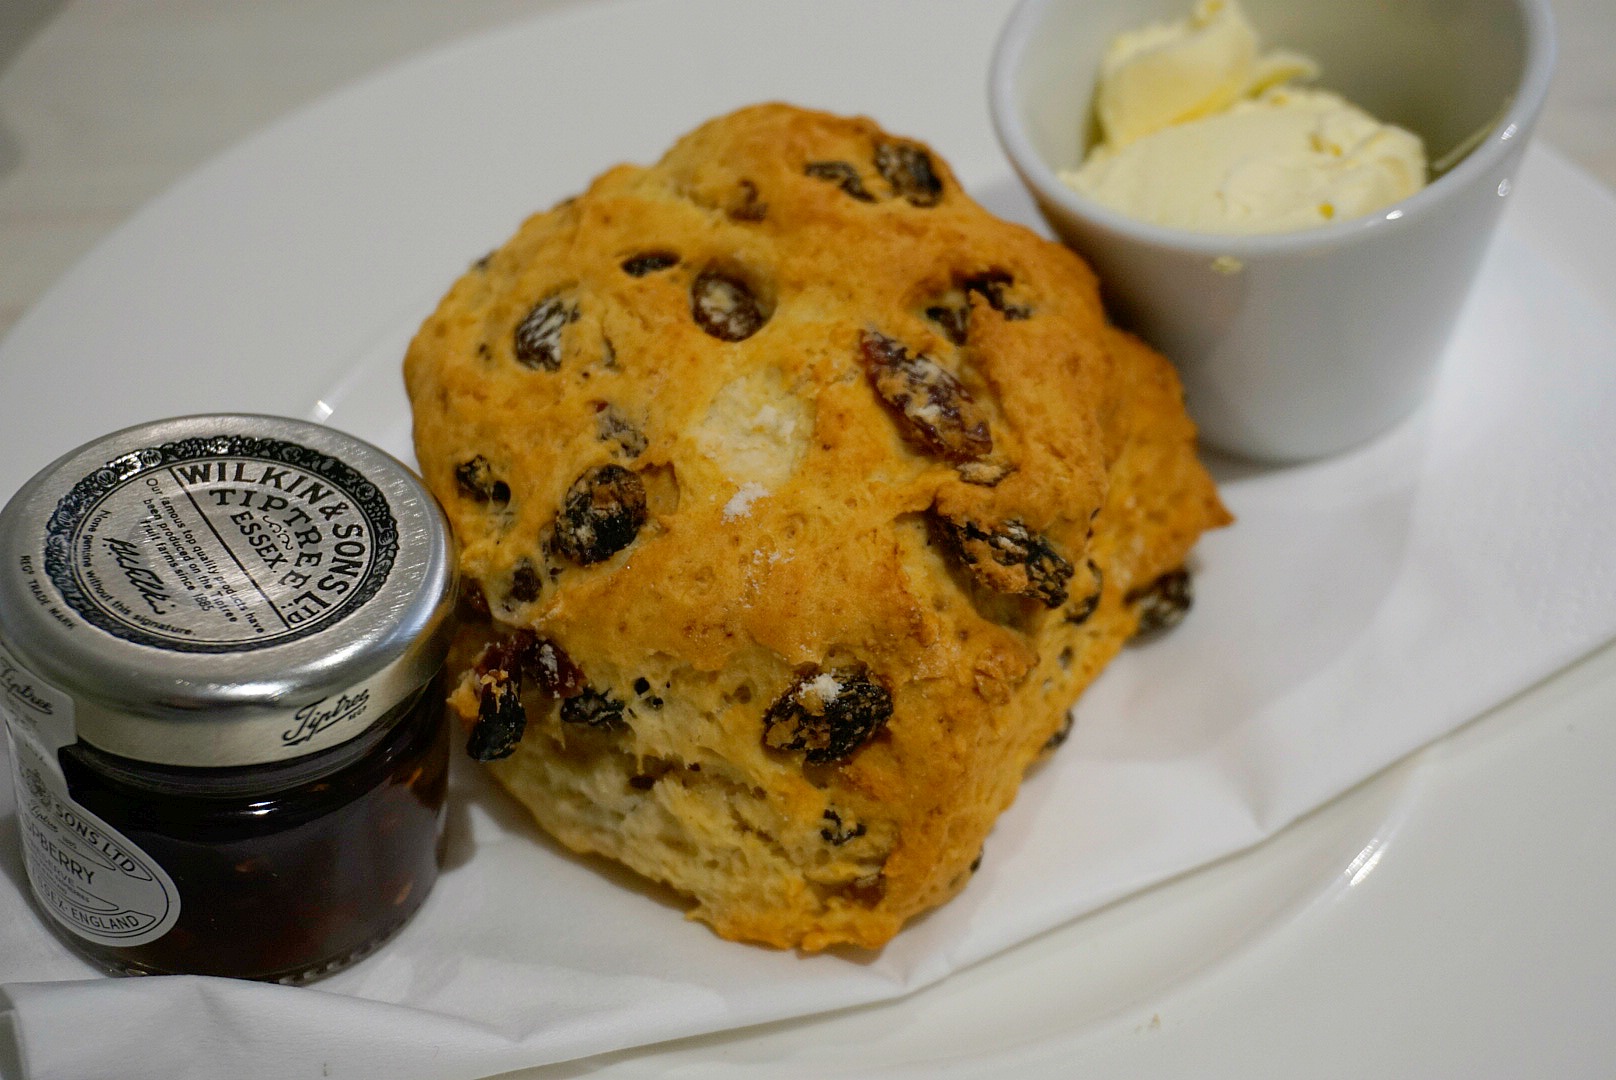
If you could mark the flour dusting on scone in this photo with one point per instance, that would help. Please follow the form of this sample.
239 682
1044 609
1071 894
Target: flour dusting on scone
799 497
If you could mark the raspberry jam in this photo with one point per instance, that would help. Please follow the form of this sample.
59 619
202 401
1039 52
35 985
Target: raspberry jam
287 871
219 642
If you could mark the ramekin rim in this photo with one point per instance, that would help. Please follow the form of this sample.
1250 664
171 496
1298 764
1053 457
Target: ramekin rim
1517 121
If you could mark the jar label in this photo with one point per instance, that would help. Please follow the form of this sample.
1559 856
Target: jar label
85 873
220 544
31 703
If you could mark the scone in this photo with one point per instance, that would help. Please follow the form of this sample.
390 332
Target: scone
799 498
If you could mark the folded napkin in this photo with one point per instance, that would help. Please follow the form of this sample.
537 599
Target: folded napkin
1360 608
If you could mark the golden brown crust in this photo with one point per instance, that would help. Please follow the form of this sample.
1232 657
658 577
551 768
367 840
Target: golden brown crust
783 421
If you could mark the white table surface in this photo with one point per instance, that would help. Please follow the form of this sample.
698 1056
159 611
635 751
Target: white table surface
105 103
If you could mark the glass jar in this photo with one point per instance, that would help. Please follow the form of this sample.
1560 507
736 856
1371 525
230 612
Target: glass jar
218 645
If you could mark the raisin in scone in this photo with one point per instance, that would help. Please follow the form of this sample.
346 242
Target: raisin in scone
799 498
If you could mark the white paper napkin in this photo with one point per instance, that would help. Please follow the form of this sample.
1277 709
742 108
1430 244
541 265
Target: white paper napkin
1361 607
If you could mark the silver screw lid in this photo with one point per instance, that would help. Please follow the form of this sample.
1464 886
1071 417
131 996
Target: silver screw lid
226 590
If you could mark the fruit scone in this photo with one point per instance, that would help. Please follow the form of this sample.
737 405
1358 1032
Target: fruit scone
798 498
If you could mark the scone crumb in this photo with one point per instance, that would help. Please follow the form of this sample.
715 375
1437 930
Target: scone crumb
740 504
825 686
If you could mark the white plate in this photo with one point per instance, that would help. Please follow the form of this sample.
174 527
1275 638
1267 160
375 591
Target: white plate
286 277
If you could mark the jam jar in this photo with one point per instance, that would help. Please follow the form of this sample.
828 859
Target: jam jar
220 639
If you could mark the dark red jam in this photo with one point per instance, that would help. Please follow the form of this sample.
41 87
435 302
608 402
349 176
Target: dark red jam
286 871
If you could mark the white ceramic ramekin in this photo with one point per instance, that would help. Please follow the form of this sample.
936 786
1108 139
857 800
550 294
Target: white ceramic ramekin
1297 345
